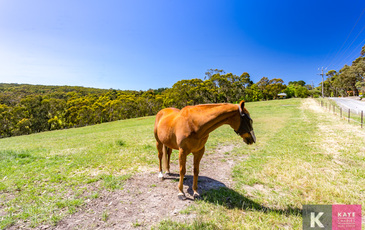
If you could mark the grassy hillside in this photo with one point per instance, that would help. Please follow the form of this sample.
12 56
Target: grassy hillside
43 175
302 156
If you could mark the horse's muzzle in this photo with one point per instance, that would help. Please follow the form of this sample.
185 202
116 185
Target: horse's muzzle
249 138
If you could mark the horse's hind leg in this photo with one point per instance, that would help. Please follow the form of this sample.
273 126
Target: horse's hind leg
159 147
168 160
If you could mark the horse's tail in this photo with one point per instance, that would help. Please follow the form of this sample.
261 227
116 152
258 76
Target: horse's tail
164 157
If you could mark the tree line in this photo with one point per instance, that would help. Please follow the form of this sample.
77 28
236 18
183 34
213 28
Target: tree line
26 109
348 81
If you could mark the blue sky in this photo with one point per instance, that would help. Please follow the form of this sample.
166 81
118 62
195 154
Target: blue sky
142 44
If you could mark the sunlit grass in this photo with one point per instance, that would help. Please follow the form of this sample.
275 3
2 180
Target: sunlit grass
302 156
44 176
294 162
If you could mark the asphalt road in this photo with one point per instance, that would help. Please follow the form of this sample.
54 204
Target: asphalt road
350 103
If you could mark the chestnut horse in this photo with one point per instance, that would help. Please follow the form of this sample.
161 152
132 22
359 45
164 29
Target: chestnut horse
187 130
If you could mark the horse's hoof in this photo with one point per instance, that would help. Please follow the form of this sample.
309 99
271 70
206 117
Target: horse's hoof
181 196
160 176
196 196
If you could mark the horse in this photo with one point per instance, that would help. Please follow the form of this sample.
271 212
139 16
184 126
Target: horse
187 130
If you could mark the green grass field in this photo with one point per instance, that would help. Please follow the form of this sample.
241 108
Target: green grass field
302 156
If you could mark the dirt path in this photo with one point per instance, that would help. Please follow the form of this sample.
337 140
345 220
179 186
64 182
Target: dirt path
145 201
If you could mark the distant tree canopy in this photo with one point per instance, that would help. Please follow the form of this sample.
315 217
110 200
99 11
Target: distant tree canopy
348 81
300 83
26 109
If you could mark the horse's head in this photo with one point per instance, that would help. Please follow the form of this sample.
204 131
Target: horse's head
245 129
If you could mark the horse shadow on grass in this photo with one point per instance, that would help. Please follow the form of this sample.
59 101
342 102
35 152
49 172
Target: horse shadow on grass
218 193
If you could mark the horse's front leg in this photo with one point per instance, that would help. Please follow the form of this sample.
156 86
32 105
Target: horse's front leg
197 157
160 153
182 163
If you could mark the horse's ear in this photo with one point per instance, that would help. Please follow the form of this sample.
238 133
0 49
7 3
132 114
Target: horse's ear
242 105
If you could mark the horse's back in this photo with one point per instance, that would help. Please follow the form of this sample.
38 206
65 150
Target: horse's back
168 113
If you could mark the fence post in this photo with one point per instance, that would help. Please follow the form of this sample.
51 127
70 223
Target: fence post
362 120
340 112
349 116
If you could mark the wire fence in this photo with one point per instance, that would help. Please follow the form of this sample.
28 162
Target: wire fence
352 116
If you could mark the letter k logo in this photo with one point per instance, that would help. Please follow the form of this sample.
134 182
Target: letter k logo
317 217
315 220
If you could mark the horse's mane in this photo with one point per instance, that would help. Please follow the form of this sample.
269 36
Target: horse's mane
208 105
